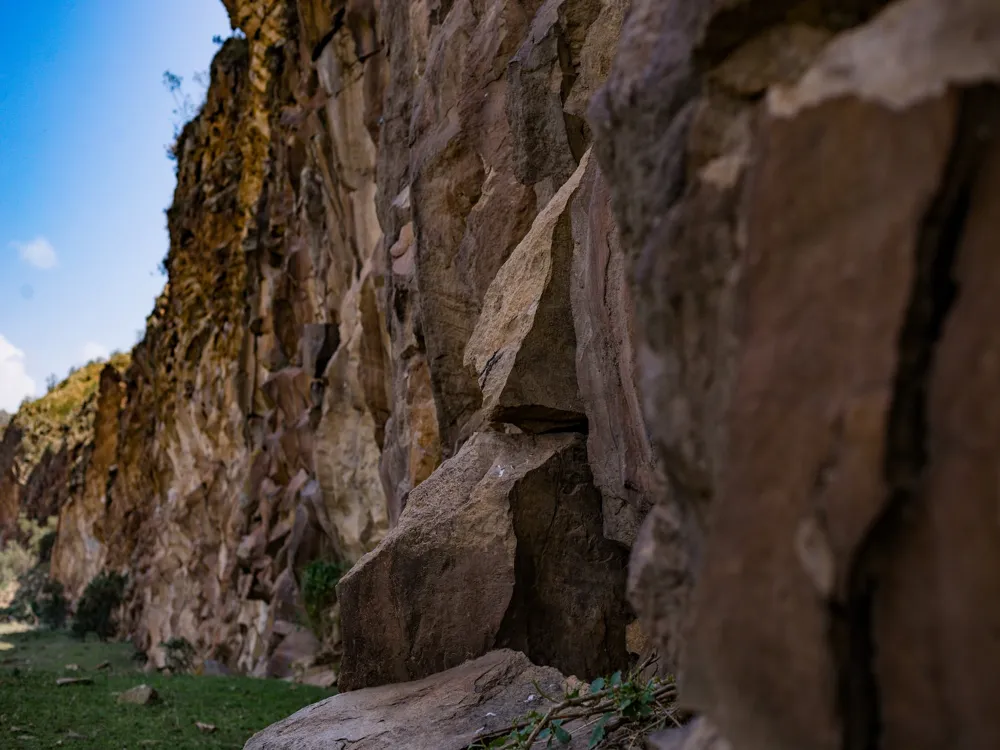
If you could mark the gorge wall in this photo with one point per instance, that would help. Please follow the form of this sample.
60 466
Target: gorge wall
394 281
46 447
481 297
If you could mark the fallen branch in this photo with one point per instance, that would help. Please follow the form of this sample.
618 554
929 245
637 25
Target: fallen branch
619 704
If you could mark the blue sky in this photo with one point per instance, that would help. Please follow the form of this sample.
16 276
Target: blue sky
84 177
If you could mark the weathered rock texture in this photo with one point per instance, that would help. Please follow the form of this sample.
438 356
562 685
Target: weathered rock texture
419 276
46 447
499 547
447 711
387 239
78 554
803 195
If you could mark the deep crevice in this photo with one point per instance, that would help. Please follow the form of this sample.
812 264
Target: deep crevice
932 296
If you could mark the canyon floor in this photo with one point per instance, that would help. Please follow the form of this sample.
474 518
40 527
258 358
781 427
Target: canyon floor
36 713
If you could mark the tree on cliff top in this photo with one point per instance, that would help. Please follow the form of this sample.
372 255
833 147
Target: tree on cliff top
185 107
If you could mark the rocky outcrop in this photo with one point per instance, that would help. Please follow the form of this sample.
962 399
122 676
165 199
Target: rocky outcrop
447 711
802 194
621 458
10 487
46 447
499 547
430 316
486 230
523 349
79 551
382 257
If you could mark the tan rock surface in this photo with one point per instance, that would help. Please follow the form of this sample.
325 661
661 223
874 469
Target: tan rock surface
499 547
446 711
618 447
79 551
523 348
140 695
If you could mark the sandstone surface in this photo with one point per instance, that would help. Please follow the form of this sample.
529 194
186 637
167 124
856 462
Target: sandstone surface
446 711
500 547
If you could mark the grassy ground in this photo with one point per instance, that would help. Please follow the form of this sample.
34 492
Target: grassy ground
35 713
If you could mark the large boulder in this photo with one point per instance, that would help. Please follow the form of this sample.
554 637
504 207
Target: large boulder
501 546
445 711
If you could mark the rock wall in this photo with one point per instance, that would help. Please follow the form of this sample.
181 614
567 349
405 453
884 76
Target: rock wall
46 446
79 552
393 280
435 266
803 192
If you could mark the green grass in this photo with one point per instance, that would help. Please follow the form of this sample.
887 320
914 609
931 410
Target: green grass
35 713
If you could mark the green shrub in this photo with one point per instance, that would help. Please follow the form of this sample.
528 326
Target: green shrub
50 606
95 612
319 590
15 561
45 545
179 654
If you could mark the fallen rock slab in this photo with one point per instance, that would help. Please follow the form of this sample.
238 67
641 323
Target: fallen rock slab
446 711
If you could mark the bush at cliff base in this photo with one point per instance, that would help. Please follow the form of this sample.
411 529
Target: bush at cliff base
97 608
319 591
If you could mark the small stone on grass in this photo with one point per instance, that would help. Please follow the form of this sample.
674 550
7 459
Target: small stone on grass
140 695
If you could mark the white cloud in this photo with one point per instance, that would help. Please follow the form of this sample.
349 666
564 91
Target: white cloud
15 382
39 253
92 350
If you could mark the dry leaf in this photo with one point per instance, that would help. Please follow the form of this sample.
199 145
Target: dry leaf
64 681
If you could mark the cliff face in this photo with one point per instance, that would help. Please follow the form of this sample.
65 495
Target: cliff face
436 265
388 236
46 445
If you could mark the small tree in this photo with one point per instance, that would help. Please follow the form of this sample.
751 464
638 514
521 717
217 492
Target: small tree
95 612
51 382
319 591
50 607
